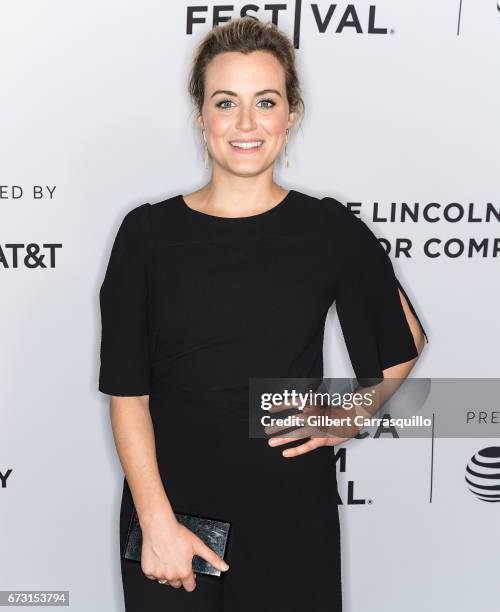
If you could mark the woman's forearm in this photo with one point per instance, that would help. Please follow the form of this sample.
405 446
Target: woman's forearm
135 443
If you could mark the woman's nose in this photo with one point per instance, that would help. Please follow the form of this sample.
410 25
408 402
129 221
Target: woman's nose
246 119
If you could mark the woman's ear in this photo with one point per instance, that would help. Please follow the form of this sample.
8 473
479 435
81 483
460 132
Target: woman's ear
199 120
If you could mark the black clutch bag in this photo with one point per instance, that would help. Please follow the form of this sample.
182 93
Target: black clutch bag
214 533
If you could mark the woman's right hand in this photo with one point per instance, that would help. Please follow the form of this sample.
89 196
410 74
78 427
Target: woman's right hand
167 552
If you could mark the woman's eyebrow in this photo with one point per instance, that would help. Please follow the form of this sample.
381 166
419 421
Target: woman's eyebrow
233 93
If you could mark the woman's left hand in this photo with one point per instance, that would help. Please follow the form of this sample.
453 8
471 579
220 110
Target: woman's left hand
319 436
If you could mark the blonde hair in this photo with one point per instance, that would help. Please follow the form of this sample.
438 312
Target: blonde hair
246 34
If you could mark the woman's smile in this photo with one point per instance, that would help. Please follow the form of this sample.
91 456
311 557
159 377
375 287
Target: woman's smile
246 146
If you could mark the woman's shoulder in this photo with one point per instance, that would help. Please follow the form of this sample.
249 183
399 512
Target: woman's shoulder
344 220
134 223
327 203
332 211
338 211
146 215
349 233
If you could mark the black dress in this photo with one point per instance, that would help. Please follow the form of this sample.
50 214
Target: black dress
192 306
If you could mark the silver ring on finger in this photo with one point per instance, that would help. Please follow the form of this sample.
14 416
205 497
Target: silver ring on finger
165 581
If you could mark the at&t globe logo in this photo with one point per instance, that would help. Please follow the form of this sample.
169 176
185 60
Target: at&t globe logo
483 474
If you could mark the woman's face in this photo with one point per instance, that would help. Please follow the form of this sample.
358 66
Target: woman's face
245 100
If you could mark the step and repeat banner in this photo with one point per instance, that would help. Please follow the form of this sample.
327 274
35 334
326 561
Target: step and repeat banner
401 125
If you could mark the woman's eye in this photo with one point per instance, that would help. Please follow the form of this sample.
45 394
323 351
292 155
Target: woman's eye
271 103
222 102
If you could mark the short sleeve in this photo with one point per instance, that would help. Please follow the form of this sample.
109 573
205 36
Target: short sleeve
371 316
123 297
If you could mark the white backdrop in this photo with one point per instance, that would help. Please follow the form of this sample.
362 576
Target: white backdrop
94 109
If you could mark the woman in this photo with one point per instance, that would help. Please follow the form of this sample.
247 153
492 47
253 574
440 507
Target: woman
207 290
